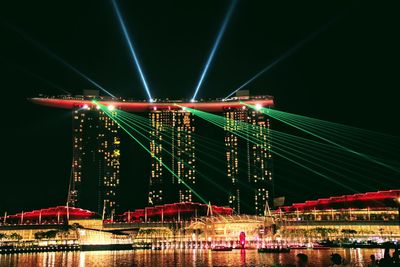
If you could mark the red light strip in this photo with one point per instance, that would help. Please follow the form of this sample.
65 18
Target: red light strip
146 106
373 199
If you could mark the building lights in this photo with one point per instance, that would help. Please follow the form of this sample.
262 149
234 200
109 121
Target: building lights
98 126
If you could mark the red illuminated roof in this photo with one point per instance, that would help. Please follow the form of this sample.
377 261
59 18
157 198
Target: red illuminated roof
172 210
54 212
380 199
211 106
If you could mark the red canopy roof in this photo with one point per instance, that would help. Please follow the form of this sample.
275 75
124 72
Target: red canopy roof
378 199
172 210
54 212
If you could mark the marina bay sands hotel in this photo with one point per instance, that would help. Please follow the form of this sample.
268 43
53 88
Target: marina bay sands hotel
97 149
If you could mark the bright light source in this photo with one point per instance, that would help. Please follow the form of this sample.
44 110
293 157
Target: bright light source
97 107
85 106
111 107
183 108
151 100
193 100
258 107
244 107
154 108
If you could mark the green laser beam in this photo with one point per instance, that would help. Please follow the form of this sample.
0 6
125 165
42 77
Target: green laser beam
268 112
215 119
108 113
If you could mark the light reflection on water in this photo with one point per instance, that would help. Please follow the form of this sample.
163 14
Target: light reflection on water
359 257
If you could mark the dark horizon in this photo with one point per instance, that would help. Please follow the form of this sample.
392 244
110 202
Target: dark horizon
345 74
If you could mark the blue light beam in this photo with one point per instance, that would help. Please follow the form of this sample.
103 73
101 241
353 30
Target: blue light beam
36 76
285 55
131 49
214 49
59 59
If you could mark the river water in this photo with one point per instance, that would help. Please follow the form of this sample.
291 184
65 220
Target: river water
359 257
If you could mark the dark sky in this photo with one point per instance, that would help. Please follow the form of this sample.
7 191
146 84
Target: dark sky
347 74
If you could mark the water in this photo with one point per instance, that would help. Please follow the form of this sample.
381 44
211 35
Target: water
359 257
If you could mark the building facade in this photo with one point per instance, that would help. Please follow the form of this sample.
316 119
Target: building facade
171 145
371 216
96 149
247 143
95 174
260 159
232 142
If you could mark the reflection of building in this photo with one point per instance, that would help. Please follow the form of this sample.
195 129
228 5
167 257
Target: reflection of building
254 187
95 166
171 143
364 216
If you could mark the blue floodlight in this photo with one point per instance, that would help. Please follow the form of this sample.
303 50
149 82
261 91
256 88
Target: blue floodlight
131 49
214 49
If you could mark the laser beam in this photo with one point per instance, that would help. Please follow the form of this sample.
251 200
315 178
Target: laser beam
131 49
58 58
36 76
272 114
122 124
281 152
214 48
289 52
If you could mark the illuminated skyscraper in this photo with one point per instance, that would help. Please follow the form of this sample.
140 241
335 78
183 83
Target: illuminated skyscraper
171 131
260 159
95 173
96 161
250 189
160 123
184 149
232 141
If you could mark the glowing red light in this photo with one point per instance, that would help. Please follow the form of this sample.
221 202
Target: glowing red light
369 199
146 106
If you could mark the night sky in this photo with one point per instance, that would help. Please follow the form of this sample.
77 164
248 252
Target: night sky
347 74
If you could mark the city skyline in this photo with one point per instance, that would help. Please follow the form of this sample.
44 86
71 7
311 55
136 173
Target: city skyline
97 123
324 79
